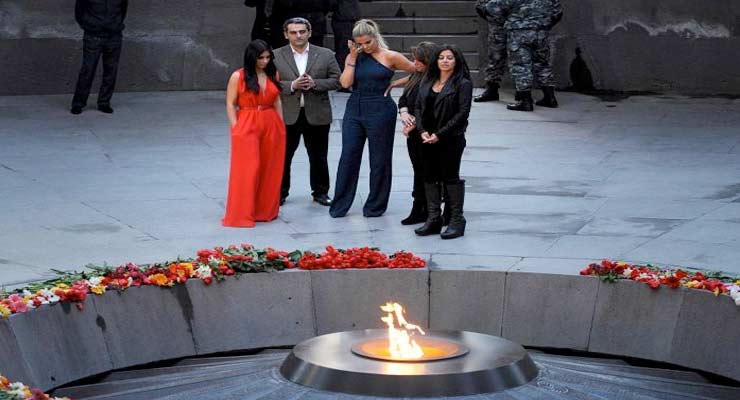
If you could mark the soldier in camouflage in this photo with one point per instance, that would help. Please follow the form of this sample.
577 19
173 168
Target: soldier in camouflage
496 52
528 25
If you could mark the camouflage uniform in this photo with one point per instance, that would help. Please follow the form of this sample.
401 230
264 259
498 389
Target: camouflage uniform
528 24
496 43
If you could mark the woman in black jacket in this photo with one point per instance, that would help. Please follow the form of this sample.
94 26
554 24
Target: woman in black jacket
442 110
422 54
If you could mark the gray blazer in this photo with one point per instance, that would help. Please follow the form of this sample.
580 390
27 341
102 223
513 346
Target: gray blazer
323 68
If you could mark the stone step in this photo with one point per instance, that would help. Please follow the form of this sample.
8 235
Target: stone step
377 9
428 25
402 43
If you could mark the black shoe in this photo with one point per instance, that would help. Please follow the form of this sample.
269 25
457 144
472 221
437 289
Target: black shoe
524 102
433 226
490 94
548 99
282 200
322 199
105 108
76 110
418 214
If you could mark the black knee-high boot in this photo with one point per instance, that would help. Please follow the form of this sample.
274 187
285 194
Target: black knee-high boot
455 201
433 224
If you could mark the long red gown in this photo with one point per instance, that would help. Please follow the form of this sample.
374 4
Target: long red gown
257 158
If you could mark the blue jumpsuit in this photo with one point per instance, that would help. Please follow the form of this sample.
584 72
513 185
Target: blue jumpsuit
369 115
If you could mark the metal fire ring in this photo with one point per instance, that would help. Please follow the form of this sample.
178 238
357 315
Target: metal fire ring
327 363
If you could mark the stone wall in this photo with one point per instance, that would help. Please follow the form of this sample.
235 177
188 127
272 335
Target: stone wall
679 46
57 344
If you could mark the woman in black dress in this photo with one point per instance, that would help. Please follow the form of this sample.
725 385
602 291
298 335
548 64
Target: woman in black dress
422 54
442 111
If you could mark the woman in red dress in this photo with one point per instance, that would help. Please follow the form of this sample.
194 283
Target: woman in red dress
257 139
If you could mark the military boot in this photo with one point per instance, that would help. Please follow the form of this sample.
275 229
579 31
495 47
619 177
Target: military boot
433 224
548 99
524 102
490 94
455 201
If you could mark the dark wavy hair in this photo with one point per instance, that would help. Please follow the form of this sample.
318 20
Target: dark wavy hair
461 66
251 54
423 52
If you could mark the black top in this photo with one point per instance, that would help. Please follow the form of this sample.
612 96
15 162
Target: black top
346 10
408 98
451 108
428 120
101 16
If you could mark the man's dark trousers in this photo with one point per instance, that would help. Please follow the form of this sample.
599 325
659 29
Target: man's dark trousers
316 140
95 45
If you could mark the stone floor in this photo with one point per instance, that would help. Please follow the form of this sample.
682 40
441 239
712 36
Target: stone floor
646 179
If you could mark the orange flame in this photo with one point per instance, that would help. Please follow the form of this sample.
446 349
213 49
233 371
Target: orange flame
400 344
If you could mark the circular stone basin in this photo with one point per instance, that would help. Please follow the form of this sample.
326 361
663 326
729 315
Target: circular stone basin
434 349
333 362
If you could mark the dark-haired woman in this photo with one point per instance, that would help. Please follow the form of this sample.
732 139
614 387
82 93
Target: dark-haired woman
422 55
257 139
442 110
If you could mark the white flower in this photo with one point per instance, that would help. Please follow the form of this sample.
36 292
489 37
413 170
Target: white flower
735 294
627 272
96 281
49 296
17 389
203 271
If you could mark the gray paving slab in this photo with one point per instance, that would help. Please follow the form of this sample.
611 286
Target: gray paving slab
650 179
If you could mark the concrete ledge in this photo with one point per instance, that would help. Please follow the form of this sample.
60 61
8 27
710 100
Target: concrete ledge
253 310
61 344
145 324
350 299
467 300
549 310
707 334
57 344
12 364
631 319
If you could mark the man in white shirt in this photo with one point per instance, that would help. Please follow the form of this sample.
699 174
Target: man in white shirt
308 72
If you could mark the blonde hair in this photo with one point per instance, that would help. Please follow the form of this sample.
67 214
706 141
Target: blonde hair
370 28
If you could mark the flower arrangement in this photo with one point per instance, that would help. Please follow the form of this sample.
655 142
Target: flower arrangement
18 391
209 264
715 282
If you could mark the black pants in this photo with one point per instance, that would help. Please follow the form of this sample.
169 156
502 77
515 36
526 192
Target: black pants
441 160
414 146
342 33
316 140
95 45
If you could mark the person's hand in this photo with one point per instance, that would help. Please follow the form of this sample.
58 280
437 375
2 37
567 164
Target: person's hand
407 119
310 83
301 83
354 50
407 129
428 138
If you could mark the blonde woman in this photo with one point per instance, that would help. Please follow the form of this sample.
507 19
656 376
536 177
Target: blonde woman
370 115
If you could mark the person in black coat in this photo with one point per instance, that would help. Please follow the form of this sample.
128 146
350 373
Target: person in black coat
346 13
442 111
271 14
314 11
422 54
102 22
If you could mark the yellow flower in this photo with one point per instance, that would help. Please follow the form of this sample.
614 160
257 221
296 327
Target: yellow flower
100 289
62 286
4 312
